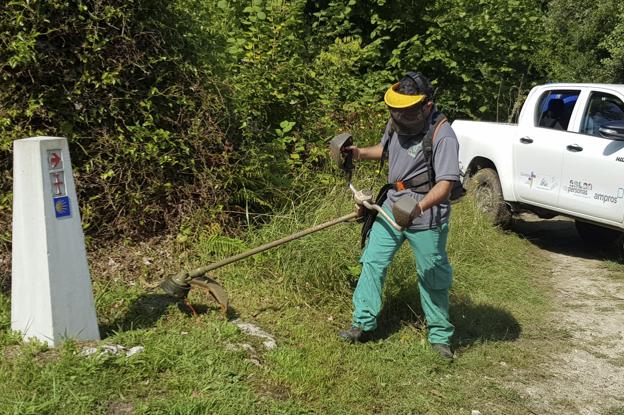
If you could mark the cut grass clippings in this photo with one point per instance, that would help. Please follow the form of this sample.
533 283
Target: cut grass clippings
301 294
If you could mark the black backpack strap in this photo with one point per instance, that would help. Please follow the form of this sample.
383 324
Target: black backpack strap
428 153
384 153
371 215
431 136
428 145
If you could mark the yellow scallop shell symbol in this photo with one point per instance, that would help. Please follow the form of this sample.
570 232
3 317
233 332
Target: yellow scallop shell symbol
60 206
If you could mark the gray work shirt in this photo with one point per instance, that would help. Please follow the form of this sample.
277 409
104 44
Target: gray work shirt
406 160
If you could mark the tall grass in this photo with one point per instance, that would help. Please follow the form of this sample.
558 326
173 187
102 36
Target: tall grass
327 262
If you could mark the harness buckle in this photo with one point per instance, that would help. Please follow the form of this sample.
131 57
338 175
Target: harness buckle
399 185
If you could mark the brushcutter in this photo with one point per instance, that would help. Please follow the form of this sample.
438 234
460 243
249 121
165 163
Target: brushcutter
180 284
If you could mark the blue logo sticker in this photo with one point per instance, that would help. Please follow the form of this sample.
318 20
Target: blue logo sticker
62 207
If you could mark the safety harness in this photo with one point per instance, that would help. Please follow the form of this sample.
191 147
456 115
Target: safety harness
422 183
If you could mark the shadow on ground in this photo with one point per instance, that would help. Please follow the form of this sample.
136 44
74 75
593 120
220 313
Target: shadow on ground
474 323
481 322
559 235
148 308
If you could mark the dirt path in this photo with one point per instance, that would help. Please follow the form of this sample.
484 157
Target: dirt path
588 377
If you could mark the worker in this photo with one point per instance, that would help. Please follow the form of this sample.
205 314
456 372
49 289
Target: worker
422 153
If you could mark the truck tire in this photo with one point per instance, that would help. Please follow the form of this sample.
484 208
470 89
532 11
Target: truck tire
486 189
596 235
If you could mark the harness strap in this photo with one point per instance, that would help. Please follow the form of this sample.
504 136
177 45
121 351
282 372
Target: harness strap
384 152
420 183
424 181
429 139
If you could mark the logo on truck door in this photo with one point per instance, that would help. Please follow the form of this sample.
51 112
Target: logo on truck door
579 188
530 178
547 183
610 198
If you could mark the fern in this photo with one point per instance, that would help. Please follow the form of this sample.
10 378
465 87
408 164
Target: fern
250 197
221 246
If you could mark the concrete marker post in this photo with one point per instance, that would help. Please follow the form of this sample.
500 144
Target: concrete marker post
51 293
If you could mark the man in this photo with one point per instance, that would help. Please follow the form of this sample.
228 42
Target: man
424 188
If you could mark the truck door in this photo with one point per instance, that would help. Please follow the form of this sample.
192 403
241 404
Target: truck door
540 146
593 167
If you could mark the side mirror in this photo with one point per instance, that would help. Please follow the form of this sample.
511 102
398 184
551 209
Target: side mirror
613 130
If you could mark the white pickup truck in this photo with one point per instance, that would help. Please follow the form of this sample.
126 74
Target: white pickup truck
565 156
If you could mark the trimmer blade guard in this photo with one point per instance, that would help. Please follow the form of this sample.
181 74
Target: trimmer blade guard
215 290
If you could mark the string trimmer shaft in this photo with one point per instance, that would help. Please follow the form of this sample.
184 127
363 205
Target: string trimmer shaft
180 284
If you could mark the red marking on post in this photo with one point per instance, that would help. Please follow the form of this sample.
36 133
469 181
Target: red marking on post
58 182
55 160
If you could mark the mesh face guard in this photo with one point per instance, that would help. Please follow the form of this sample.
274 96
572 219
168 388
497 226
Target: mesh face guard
409 121
406 101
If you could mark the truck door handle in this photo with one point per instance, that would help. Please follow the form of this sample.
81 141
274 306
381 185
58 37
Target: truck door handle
574 148
526 140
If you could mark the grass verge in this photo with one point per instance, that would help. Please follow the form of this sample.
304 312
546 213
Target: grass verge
300 293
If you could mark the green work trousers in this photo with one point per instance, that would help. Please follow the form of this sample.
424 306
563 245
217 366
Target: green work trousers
434 276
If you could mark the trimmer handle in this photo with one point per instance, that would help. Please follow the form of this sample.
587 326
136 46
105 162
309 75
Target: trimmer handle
343 158
365 198
348 165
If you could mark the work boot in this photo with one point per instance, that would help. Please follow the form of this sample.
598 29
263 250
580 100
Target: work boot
443 350
352 335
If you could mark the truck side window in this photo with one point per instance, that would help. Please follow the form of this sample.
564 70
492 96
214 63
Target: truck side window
555 109
601 108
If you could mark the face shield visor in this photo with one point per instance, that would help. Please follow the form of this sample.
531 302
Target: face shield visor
407 111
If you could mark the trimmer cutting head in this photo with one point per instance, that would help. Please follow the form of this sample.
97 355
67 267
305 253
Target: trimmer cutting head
216 291
174 289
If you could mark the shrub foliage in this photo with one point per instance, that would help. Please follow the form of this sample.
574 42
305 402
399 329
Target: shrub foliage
119 81
584 42
173 106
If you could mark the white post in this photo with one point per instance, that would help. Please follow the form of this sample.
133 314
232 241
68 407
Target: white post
51 295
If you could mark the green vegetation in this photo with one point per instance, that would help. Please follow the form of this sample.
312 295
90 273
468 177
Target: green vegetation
179 113
118 80
168 104
584 42
197 120
300 294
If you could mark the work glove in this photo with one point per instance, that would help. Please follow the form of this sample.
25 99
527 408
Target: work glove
353 150
405 210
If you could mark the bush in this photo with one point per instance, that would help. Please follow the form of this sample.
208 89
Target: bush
178 112
122 84
584 41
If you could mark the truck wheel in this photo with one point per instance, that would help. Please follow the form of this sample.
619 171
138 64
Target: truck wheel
596 235
488 194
